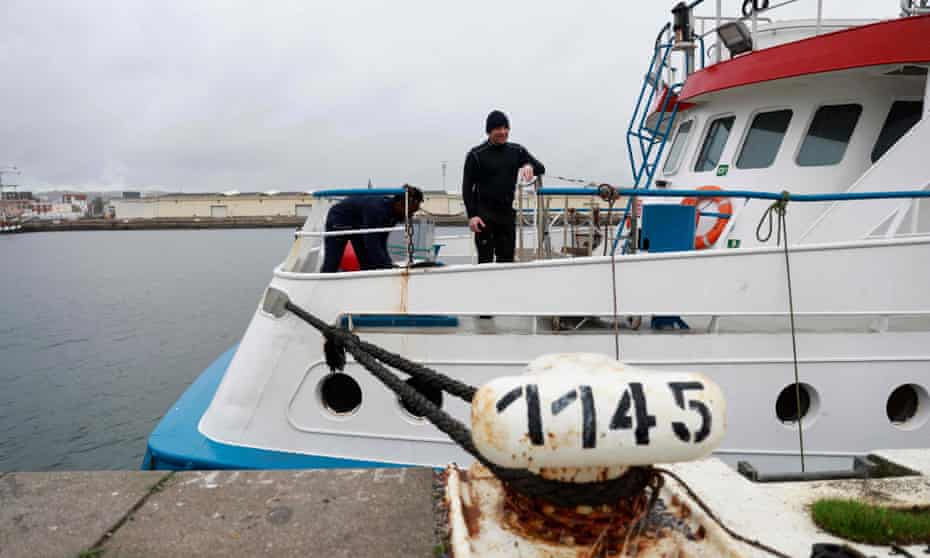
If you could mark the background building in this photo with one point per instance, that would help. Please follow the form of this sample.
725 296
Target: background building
250 204
213 205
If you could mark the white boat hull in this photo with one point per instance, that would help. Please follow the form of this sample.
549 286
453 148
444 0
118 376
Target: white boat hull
864 329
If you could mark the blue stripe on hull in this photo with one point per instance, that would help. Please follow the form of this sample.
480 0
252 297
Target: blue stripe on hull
177 445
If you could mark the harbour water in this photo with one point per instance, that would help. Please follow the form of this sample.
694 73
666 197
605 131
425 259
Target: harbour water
100 332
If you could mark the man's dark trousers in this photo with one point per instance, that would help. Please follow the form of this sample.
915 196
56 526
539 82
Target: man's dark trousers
496 239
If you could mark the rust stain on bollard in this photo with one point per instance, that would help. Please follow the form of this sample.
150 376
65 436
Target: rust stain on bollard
490 520
534 518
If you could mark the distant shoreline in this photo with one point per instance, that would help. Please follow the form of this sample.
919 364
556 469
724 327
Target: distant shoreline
163 224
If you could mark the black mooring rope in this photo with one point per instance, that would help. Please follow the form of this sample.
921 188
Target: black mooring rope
609 193
706 509
780 208
335 356
565 494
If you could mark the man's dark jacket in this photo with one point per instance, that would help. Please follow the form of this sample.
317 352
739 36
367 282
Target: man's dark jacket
490 179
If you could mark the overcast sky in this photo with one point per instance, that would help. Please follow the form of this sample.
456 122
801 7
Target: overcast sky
201 95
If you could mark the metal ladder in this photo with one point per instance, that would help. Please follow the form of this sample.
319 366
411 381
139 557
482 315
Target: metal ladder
645 145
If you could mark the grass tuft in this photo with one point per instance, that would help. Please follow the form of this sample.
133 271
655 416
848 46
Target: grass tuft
870 524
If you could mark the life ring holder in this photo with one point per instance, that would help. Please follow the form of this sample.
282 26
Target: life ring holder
723 215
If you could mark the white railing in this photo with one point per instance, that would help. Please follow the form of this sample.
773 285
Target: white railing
348 232
752 15
915 7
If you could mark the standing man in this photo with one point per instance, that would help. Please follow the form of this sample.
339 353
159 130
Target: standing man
366 212
488 186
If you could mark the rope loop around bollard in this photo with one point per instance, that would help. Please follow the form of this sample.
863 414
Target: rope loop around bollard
565 494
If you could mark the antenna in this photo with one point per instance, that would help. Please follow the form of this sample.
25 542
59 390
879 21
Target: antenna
444 163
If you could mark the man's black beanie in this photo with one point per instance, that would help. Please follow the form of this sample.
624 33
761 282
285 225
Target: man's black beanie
495 120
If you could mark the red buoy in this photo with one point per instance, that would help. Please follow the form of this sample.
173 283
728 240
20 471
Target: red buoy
349 259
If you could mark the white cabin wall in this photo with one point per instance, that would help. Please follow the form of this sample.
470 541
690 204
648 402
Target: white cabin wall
804 95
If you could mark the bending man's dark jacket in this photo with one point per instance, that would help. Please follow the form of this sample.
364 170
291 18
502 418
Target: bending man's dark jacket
490 180
365 212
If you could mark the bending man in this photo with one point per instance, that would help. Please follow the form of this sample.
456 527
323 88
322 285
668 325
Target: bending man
366 212
488 187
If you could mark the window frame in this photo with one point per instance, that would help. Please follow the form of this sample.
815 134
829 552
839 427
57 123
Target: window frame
748 127
704 134
894 100
810 122
684 148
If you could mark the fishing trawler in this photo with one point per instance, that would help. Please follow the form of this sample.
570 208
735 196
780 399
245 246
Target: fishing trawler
818 335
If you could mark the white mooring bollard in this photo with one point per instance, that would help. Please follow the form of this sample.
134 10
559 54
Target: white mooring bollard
588 410
583 419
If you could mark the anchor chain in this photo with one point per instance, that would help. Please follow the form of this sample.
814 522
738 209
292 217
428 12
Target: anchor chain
408 226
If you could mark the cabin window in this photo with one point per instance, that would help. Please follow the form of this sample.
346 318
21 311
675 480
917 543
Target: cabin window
678 147
764 139
829 135
714 143
901 118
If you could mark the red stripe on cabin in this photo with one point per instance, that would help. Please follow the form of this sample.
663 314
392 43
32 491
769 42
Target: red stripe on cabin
896 41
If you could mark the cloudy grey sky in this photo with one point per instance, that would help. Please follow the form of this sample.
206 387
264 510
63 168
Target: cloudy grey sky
207 95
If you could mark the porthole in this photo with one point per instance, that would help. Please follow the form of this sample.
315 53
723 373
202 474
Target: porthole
907 407
431 393
786 406
340 394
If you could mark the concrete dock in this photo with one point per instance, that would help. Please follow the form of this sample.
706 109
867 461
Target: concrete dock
371 512
401 512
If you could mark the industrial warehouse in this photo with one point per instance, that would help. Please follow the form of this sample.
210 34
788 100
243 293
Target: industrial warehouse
442 205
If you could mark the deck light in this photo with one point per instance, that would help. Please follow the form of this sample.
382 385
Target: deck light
736 37
682 23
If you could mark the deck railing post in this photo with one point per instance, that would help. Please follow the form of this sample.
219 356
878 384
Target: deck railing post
634 227
927 97
819 15
565 243
520 220
540 221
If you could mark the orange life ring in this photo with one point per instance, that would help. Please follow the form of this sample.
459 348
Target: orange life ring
724 210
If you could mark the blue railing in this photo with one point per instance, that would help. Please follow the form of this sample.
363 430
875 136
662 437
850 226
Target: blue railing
745 194
337 192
